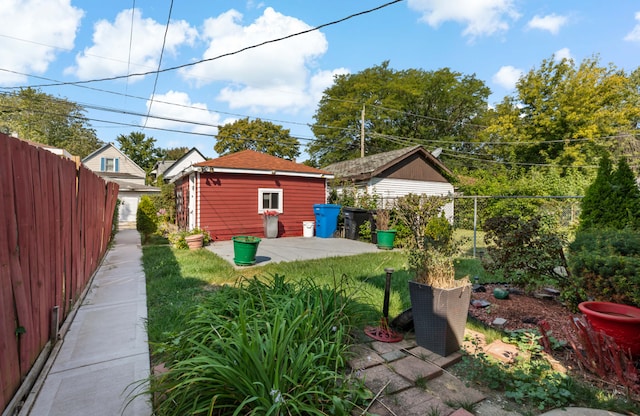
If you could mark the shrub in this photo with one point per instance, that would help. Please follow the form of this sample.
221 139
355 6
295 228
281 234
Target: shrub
526 252
605 266
146 218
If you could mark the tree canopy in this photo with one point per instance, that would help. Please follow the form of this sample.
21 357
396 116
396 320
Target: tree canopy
141 149
258 135
43 118
567 115
401 108
175 153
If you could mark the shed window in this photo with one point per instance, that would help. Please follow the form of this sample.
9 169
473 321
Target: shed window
269 199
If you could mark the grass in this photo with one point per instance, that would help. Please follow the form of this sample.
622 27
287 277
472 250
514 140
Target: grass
178 280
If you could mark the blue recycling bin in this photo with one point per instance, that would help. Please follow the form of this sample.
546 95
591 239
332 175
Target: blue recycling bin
326 219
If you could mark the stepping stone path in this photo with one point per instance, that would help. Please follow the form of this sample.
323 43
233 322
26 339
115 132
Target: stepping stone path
410 380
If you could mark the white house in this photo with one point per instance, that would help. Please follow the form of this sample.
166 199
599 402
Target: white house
113 165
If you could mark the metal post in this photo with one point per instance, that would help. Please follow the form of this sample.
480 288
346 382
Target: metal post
475 223
387 290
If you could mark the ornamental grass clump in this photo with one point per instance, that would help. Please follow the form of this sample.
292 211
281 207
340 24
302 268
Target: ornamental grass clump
431 247
266 348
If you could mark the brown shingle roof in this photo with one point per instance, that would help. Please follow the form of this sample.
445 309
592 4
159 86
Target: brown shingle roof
252 160
370 166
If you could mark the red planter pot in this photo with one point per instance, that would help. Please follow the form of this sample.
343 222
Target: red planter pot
621 322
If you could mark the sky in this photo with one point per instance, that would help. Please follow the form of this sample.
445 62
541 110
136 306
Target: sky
176 70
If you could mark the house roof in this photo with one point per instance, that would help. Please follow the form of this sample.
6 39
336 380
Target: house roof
256 162
373 165
161 166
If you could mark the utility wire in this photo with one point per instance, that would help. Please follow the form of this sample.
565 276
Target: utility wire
155 82
224 55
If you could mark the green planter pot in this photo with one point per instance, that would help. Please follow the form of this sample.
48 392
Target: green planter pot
244 250
386 239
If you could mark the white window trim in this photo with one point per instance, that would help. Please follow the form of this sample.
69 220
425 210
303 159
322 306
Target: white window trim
262 191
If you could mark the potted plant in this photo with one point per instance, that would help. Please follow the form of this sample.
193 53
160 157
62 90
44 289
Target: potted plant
439 301
385 235
245 248
270 222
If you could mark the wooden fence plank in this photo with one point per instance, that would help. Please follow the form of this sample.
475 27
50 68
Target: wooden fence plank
9 356
23 250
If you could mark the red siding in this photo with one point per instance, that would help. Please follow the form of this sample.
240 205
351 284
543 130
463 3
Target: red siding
229 203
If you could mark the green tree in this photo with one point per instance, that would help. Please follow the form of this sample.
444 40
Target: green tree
401 108
258 135
45 119
566 115
175 153
613 199
141 149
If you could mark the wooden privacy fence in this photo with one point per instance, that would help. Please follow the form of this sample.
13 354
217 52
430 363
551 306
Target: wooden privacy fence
55 224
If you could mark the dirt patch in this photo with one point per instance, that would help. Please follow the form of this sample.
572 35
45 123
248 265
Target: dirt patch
529 311
521 310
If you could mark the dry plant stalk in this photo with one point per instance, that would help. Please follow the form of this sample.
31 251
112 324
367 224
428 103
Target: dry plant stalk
439 272
382 219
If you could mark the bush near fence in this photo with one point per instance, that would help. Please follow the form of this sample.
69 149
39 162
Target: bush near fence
55 226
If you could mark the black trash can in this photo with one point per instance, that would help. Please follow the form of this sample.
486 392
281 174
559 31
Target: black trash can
353 219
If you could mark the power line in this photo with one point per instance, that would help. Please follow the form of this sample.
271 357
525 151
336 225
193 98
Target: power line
224 55
155 82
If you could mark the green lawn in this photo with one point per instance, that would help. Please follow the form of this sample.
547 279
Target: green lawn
177 278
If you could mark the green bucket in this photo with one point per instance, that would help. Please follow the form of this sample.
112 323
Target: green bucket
244 249
386 238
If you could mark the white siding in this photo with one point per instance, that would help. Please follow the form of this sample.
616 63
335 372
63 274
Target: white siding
390 189
182 165
125 165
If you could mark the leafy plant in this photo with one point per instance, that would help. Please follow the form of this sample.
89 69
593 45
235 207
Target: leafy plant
146 218
263 348
530 379
526 251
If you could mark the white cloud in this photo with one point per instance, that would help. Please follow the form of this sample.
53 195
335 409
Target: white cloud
507 77
35 31
563 53
634 35
109 55
270 77
178 106
481 17
551 23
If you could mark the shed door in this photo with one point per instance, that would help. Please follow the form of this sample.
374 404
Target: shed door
128 208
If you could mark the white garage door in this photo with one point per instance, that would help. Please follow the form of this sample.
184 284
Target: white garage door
128 208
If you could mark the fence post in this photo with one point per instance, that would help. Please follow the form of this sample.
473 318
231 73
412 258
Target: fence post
475 223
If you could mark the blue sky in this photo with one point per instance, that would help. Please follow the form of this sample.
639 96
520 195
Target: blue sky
59 42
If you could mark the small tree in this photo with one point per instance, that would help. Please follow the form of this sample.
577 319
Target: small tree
146 218
613 199
526 252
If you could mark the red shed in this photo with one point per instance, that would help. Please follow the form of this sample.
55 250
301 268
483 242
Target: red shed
228 195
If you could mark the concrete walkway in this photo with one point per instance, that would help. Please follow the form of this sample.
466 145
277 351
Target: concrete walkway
104 355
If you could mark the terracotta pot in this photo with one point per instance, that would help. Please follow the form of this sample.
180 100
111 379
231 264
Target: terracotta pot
194 241
619 321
